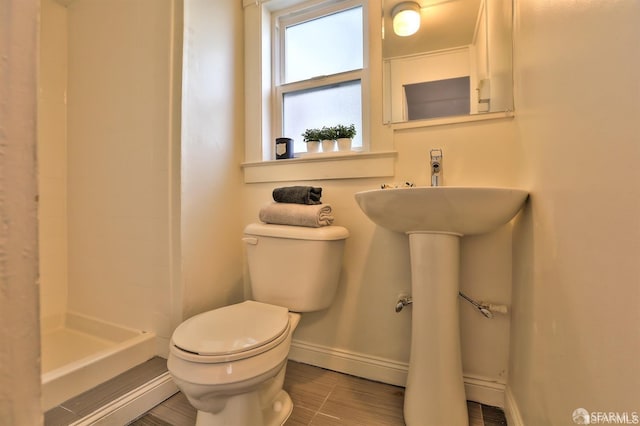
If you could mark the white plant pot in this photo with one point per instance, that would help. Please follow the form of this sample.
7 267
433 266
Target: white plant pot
344 144
313 146
328 146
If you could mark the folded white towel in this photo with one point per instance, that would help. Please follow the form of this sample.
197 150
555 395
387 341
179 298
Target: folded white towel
313 216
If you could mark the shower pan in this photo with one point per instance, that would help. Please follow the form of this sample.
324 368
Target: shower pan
81 352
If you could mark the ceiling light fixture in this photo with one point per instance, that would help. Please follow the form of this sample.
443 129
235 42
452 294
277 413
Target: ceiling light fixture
406 18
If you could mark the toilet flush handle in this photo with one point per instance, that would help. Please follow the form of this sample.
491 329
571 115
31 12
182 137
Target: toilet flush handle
250 240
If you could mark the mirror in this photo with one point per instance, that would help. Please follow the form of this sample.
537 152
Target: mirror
458 63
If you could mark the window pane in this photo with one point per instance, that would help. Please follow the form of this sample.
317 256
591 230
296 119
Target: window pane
324 106
324 46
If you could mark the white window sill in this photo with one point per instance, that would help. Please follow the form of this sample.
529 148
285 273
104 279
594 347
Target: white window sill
452 120
335 165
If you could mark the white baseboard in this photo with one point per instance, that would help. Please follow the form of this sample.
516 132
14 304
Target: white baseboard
511 410
133 404
356 364
479 389
484 390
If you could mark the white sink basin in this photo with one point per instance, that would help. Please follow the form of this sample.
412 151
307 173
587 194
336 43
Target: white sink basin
458 210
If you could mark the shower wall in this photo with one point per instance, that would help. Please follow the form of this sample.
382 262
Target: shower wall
108 160
52 161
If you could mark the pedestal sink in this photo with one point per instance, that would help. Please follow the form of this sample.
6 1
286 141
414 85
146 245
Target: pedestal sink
435 218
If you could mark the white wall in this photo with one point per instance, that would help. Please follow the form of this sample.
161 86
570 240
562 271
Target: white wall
19 331
52 162
212 150
122 73
576 334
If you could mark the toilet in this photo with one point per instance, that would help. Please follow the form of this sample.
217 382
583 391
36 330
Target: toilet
230 362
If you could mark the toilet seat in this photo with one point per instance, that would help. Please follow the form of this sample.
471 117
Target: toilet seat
231 333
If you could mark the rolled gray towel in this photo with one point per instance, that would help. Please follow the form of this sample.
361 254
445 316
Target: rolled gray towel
298 195
297 214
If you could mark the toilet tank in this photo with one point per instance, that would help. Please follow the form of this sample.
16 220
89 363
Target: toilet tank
294 266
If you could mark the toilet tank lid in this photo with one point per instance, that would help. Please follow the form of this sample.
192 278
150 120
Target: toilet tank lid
326 233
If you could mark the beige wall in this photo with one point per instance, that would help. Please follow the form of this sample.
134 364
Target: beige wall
19 331
576 325
52 161
212 150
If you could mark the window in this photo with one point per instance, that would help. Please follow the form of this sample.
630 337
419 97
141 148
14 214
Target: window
318 69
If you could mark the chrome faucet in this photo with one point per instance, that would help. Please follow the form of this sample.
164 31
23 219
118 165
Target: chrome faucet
436 167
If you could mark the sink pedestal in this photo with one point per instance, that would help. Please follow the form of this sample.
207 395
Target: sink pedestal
434 394
435 218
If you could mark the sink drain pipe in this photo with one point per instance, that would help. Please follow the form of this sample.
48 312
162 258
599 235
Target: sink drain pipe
486 309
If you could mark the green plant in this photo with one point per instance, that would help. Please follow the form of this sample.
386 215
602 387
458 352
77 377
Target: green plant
311 135
327 133
347 132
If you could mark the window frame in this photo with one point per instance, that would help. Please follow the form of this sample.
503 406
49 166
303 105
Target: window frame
298 14
378 157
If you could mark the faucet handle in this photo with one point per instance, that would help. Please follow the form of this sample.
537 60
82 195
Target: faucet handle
436 166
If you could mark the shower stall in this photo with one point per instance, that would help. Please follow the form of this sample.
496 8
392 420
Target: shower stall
108 153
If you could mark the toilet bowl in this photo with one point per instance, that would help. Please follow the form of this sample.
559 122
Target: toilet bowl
230 362
235 377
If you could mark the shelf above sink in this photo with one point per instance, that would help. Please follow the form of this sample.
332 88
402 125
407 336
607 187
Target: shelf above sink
451 209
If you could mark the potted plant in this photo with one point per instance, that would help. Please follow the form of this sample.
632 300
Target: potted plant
312 138
344 136
328 138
